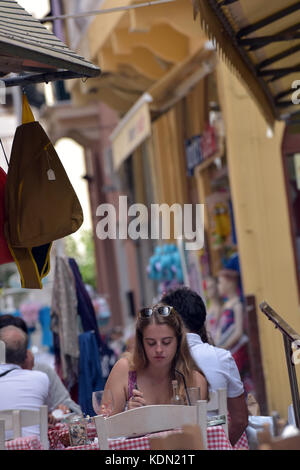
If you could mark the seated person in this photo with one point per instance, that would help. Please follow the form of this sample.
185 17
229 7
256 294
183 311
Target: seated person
59 397
20 388
160 355
217 363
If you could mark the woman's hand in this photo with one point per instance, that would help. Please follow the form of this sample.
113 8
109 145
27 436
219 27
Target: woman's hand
136 400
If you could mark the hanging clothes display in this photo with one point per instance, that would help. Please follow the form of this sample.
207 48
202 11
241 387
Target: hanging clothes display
64 321
86 311
90 371
85 306
40 203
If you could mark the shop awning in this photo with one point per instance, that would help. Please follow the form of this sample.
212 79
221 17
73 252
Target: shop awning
261 41
32 52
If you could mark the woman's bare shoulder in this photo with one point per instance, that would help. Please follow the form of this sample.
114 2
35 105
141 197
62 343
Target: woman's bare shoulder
122 364
198 377
200 381
119 372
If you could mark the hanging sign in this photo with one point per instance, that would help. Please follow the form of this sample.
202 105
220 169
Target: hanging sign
131 131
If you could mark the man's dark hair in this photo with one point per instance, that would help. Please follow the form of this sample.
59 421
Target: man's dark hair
15 346
8 320
190 306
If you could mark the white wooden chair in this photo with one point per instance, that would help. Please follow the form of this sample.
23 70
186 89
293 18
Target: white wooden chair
218 405
15 420
2 434
150 419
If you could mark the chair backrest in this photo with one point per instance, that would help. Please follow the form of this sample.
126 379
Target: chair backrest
150 419
15 420
2 434
190 438
218 404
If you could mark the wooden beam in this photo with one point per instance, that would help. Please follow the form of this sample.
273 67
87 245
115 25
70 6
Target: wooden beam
277 57
141 59
162 40
178 15
268 20
102 26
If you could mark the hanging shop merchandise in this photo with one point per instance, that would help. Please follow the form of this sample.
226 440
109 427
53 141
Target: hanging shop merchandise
40 203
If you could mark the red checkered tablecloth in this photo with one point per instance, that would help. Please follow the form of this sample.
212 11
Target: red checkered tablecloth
242 443
24 443
58 435
216 440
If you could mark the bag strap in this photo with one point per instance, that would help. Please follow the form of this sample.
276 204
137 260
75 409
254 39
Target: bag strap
4 152
7 371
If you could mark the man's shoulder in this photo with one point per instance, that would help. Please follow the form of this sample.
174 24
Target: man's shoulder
45 368
36 376
25 374
210 349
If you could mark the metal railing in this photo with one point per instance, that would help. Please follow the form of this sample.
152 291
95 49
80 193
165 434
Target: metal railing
290 339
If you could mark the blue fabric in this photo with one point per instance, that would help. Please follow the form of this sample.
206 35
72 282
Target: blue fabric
90 371
85 307
45 321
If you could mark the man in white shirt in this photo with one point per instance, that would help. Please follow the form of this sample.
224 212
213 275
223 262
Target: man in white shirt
59 397
217 364
20 388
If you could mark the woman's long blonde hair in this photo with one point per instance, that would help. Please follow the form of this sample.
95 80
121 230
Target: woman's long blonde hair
183 361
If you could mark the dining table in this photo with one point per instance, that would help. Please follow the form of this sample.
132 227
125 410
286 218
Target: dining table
58 436
216 440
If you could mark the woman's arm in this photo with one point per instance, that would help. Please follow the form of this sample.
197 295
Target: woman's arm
117 382
200 381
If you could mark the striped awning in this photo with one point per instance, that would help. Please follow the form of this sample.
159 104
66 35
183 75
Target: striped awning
29 49
261 41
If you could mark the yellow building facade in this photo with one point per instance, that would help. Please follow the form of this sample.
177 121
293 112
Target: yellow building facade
162 51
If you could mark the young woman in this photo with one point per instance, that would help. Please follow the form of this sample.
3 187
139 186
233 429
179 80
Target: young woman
160 355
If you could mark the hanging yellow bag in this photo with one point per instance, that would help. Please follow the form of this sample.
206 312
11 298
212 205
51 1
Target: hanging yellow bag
40 203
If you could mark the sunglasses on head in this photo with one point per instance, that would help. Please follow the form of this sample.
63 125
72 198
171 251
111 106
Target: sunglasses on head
164 311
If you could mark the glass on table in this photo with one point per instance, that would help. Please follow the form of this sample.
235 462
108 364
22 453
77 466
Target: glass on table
194 394
77 431
103 403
